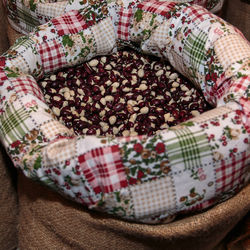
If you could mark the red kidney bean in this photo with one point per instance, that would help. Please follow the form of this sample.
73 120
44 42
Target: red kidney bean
145 91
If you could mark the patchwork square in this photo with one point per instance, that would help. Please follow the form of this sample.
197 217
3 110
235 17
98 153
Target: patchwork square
14 122
188 148
52 55
103 169
154 197
194 49
197 13
124 23
104 36
51 9
230 172
59 151
20 63
157 7
220 91
230 49
70 23
54 128
28 18
27 85
240 85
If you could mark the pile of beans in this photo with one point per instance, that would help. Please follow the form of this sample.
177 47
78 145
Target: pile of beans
122 94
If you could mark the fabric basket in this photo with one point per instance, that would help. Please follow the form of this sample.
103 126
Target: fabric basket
24 16
213 147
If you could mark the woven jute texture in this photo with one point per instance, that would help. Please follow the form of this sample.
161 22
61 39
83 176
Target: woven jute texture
48 221
8 204
237 12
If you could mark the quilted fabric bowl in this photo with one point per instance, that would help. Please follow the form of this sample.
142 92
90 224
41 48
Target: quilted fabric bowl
207 157
24 16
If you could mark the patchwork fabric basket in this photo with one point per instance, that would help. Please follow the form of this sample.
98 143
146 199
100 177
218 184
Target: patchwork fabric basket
25 15
207 158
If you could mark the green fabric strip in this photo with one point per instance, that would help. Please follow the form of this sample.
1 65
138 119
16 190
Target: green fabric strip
195 48
188 148
13 125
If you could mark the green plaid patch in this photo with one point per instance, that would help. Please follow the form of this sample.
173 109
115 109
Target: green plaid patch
188 148
194 49
12 123
24 42
29 19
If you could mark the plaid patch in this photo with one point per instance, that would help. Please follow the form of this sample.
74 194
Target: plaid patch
219 92
28 19
103 169
27 85
188 148
104 36
54 128
194 49
12 122
154 197
51 9
157 7
70 23
124 22
52 55
197 13
230 172
230 49
59 151
240 85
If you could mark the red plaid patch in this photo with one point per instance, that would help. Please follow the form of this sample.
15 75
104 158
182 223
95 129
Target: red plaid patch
69 23
52 56
124 22
197 13
240 85
157 7
27 85
103 169
230 172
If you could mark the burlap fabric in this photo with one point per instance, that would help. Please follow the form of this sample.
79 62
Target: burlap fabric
48 221
8 204
8 197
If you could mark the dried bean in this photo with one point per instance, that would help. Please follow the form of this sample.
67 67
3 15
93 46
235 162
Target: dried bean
124 94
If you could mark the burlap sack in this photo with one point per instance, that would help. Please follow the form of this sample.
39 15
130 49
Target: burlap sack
237 12
8 197
8 204
48 221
